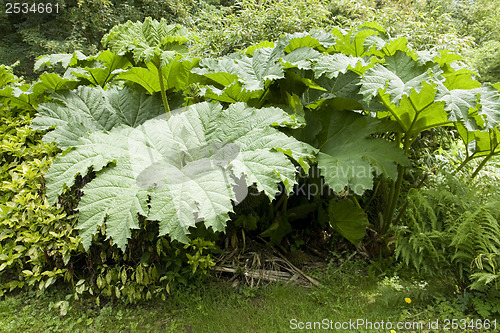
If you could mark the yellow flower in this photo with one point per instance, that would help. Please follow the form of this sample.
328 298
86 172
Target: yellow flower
408 300
393 331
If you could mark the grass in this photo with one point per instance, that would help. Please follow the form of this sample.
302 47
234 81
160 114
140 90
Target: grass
354 291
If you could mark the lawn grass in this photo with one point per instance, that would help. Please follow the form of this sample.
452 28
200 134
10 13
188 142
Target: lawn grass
353 291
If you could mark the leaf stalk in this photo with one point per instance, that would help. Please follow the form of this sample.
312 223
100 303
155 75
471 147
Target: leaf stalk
162 88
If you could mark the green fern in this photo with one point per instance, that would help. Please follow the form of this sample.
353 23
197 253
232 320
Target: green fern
421 242
451 228
477 238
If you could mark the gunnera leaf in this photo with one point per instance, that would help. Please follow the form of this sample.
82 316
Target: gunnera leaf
348 219
398 77
179 170
85 109
148 41
252 72
347 155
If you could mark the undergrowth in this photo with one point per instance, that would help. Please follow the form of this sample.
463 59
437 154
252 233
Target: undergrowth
452 228
351 289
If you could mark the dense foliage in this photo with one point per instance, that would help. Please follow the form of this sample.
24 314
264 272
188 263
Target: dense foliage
151 149
39 244
225 26
452 228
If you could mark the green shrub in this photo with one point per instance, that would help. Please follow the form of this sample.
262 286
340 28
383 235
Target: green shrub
223 30
425 26
486 60
37 239
80 25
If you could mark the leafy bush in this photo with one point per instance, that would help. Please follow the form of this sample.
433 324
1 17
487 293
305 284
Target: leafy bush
426 26
223 30
80 25
478 19
486 60
37 239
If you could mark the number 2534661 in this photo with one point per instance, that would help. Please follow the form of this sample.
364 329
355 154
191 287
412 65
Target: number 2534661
32 8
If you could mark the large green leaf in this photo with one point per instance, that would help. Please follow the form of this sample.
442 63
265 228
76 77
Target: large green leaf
26 96
252 72
348 219
222 72
397 78
134 107
89 109
115 198
489 107
386 46
300 58
342 89
487 142
145 77
6 76
176 75
480 143
476 109
13 93
316 39
459 103
231 94
66 60
332 65
112 64
19 96
256 71
52 82
178 171
148 41
356 42
460 79
418 111
348 156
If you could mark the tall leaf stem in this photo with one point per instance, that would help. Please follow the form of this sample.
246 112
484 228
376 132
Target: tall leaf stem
162 88
356 202
385 215
465 161
482 164
396 189
373 195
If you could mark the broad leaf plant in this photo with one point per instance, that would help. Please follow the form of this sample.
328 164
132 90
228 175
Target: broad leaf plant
351 103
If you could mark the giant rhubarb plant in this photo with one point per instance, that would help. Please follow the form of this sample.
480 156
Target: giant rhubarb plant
343 82
178 171
354 102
